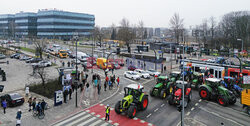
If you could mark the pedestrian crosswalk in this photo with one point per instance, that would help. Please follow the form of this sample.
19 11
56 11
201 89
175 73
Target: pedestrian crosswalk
82 118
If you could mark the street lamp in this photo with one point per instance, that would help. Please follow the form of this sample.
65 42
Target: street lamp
76 83
241 43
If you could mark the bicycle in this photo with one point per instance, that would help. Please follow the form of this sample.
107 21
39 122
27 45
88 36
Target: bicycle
38 114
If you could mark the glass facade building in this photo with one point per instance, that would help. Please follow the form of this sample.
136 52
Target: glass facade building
7 25
62 24
47 24
26 24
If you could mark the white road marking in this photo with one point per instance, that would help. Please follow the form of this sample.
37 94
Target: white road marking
162 105
192 108
149 124
78 120
116 124
200 100
70 119
135 118
110 121
216 114
156 110
142 121
87 121
196 104
96 123
105 124
188 113
92 113
148 115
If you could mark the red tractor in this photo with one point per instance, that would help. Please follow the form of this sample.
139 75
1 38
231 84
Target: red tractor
175 98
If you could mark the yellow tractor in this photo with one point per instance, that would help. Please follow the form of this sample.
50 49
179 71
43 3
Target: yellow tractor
245 100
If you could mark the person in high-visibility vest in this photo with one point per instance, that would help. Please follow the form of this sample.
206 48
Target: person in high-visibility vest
107 113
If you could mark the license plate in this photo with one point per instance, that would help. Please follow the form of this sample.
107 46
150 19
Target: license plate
18 100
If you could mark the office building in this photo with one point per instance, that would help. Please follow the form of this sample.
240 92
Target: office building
7 24
25 24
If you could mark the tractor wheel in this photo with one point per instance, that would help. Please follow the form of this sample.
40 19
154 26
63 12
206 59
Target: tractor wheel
171 100
144 103
117 107
132 111
151 92
170 90
222 100
248 111
204 93
233 99
163 94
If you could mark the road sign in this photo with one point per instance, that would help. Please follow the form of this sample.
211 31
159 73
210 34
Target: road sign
246 79
240 74
159 51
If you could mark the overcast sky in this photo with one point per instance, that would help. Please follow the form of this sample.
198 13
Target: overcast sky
154 13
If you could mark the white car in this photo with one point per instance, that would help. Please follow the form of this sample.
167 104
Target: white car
43 63
142 73
153 72
132 75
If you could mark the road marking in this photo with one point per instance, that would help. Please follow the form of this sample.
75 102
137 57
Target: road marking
200 100
71 119
116 124
95 123
188 113
196 104
105 124
78 120
110 121
162 105
148 115
135 118
192 108
149 124
87 121
216 114
156 110
142 121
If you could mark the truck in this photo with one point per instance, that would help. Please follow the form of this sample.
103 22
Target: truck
245 100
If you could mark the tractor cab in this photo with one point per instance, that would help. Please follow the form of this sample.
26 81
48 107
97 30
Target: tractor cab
230 83
197 79
135 90
175 75
162 88
162 79
213 82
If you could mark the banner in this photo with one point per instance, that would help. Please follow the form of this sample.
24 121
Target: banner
246 79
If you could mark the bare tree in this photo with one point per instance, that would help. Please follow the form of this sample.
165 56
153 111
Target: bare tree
98 34
125 33
212 29
42 74
176 24
113 34
40 46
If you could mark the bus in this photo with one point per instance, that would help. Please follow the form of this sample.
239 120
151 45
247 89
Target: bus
235 72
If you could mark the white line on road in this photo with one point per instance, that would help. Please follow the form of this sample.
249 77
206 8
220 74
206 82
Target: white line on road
78 120
192 108
188 113
162 105
148 115
95 123
216 114
156 110
200 100
87 121
196 104
70 119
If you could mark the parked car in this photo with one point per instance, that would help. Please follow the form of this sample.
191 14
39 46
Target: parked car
142 73
75 61
116 66
25 57
132 75
131 67
153 72
87 65
33 60
44 63
13 55
12 99
2 56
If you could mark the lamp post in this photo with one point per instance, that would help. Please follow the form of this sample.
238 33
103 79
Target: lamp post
182 112
76 82
92 51
155 58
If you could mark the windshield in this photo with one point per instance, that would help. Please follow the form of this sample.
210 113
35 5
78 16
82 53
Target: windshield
63 51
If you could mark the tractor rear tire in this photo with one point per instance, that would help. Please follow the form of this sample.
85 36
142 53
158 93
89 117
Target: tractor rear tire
151 93
132 111
233 100
171 100
222 100
144 103
204 93
163 94
117 107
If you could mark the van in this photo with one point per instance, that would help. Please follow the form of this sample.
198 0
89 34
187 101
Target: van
101 63
82 56
63 54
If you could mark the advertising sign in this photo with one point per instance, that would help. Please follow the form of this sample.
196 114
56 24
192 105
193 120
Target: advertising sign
58 98
246 79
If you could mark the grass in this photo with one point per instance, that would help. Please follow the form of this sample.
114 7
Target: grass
28 50
49 89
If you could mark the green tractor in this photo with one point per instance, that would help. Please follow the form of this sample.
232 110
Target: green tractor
134 100
162 88
197 79
212 90
175 75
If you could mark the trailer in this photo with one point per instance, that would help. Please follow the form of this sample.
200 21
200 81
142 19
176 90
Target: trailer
245 100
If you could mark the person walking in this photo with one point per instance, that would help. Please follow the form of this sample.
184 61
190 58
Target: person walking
118 81
70 92
43 104
112 69
4 104
68 64
30 103
87 87
109 82
63 63
98 88
34 104
19 114
107 113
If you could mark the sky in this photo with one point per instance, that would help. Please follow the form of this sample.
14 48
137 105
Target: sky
154 13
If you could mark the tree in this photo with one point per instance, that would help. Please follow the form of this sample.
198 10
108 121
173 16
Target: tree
42 74
212 29
176 24
125 33
40 45
98 35
113 35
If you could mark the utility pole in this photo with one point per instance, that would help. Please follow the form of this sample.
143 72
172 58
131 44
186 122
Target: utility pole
76 82
182 112
171 57
92 51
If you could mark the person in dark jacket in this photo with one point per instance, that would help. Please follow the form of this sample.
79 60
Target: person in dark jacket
43 104
19 114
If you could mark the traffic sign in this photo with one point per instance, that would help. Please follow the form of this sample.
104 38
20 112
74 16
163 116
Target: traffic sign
240 74
160 51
